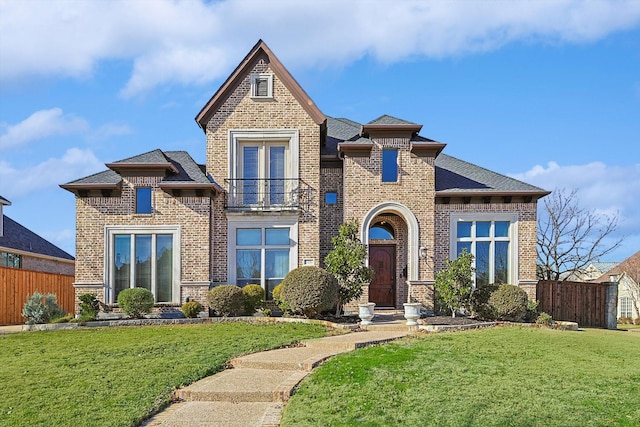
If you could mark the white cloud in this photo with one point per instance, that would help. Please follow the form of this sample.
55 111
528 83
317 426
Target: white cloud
193 41
42 124
48 174
606 190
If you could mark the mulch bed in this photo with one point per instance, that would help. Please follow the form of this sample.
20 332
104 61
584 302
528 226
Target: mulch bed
448 320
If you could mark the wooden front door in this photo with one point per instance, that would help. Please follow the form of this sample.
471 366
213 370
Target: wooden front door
382 289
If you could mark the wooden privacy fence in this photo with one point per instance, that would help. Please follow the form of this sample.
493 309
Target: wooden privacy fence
585 303
17 284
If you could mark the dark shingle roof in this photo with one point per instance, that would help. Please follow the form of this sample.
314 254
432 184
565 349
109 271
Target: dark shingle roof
21 238
389 120
455 175
154 156
104 177
188 169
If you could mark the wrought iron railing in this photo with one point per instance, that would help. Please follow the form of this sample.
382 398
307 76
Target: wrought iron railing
264 194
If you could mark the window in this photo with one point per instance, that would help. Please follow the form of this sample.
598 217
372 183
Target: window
331 198
491 241
390 165
143 200
143 258
8 259
262 252
626 307
382 231
262 86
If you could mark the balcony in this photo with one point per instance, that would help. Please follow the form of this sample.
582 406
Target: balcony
251 194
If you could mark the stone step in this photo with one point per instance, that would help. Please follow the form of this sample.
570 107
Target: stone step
244 385
352 341
294 358
218 414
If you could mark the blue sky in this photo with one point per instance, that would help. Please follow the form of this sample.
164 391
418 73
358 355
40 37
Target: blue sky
546 91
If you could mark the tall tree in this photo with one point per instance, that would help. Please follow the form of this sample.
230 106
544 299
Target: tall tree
346 261
571 237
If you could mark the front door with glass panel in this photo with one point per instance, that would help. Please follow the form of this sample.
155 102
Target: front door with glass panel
262 173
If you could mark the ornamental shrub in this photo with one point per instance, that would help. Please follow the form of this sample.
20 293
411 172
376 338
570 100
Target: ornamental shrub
544 319
479 301
226 300
135 302
454 284
509 303
277 298
309 290
637 321
191 309
89 307
253 298
41 308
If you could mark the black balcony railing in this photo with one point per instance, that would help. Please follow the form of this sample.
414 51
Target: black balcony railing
263 194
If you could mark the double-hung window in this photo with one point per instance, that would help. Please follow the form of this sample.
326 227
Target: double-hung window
143 258
491 241
626 307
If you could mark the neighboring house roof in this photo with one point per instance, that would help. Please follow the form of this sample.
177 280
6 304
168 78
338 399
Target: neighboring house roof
4 201
22 239
630 264
181 171
454 177
260 50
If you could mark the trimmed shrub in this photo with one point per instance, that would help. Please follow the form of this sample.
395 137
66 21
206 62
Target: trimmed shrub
532 313
277 298
637 321
191 309
509 303
135 302
253 298
226 300
479 302
544 319
89 306
309 290
41 308
625 321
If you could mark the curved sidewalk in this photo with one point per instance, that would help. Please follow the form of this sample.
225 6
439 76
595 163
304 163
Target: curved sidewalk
257 386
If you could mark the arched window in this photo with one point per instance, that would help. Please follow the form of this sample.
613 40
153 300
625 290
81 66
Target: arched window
381 231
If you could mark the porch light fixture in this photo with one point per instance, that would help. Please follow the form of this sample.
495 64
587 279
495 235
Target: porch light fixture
422 252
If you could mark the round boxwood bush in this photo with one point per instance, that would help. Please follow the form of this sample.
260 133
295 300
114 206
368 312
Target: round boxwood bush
253 298
509 302
191 309
479 301
226 300
135 302
309 290
277 298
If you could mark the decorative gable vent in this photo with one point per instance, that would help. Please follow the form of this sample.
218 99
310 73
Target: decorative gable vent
262 85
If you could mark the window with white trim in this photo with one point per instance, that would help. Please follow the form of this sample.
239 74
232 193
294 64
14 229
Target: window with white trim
8 259
144 258
262 170
626 307
491 240
262 85
262 253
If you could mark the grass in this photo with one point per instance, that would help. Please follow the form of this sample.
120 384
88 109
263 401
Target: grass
119 376
494 377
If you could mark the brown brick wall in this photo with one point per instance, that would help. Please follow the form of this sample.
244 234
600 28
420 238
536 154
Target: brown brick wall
331 216
240 111
94 213
47 265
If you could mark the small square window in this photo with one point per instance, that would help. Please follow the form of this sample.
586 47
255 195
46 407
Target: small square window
143 200
331 198
390 165
262 85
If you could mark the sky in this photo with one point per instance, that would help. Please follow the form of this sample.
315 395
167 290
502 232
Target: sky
547 92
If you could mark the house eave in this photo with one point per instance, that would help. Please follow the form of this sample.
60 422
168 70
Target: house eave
128 167
427 148
485 193
359 149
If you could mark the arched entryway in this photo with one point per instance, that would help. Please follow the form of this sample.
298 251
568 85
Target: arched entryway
388 230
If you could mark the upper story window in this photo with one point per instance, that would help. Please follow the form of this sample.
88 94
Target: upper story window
390 165
8 259
491 240
143 200
331 198
262 85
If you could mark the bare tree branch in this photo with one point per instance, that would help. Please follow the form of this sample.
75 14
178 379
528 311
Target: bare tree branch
571 237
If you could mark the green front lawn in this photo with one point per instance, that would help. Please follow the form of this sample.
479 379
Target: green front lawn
495 377
119 376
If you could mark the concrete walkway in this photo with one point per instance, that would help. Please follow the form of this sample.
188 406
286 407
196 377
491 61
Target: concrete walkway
257 386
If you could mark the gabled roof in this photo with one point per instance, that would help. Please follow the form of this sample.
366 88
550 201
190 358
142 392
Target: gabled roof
630 264
455 177
4 201
22 239
181 171
260 50
386 119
